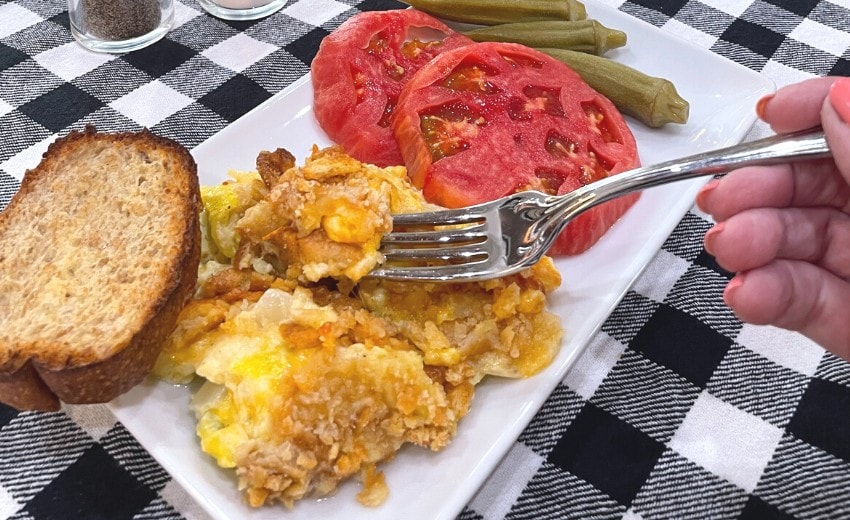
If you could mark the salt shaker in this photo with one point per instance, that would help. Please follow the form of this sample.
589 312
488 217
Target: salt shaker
241 9
119 26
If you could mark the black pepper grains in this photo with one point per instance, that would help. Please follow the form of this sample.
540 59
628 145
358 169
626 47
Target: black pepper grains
120 19
119 26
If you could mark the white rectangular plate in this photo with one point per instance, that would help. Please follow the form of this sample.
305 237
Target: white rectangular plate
426 485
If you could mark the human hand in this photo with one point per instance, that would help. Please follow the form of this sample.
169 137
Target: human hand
785 229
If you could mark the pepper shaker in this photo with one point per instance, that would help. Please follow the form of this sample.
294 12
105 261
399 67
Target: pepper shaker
119 26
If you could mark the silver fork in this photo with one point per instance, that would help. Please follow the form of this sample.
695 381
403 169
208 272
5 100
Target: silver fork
506 235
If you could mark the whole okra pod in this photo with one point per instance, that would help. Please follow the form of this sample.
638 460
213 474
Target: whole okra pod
492 12
653 101
578 35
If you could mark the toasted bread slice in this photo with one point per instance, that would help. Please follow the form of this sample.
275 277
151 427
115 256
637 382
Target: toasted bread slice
99 252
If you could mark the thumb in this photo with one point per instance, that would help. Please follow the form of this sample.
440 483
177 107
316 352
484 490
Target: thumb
835 119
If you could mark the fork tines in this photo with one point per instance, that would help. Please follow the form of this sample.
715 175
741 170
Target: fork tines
444 236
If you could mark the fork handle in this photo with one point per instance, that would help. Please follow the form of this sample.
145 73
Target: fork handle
805 144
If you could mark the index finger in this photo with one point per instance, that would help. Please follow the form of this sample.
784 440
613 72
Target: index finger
796 106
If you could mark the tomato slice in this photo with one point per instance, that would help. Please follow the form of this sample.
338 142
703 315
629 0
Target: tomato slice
359 72
486 120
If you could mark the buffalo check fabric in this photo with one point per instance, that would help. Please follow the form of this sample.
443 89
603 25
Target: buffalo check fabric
675 410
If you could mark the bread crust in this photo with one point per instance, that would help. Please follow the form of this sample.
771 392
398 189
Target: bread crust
36 374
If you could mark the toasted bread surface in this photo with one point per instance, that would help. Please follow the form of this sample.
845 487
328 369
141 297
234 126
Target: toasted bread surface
99 251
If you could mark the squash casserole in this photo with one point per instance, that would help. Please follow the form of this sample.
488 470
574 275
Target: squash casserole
307 373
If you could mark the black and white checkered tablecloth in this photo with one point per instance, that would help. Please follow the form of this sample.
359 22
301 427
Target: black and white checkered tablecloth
675 410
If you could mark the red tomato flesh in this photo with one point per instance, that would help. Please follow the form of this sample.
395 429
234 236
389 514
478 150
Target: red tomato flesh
486 120
359 72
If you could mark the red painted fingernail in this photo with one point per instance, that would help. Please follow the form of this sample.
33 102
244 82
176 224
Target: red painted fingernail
711 236
703 193
839 97
732 287
761 104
